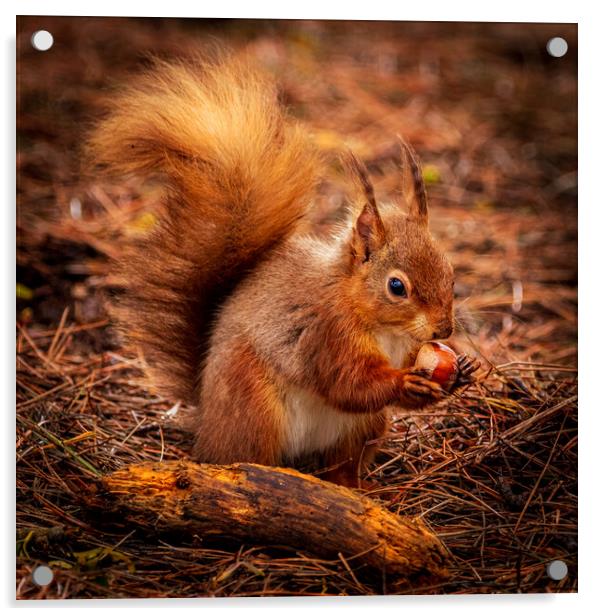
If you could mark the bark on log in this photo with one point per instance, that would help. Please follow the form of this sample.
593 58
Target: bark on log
277 506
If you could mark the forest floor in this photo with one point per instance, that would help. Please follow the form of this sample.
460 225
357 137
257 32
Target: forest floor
493 472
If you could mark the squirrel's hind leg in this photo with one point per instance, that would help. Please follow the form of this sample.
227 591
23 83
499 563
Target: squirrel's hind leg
240 416
354 452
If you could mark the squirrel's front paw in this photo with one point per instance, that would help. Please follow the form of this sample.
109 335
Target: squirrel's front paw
467 366
418 391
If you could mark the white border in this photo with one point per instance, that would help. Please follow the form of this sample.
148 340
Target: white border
435 10
590 108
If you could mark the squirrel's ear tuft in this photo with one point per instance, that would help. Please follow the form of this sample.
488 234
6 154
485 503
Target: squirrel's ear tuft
368 233
413 188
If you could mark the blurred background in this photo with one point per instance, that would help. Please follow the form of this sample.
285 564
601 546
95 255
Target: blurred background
494 119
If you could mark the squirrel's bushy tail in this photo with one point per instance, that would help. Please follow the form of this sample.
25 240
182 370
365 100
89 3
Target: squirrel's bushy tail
238 176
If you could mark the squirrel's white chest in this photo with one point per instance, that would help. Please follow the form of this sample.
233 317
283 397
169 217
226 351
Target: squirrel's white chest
398 349
311 425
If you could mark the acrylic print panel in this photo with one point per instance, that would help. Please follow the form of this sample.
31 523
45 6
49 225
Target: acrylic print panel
187 250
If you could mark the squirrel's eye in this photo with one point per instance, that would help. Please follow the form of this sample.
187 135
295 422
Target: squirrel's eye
397 287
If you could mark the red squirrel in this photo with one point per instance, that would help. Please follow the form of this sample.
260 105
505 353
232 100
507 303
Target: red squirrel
291 349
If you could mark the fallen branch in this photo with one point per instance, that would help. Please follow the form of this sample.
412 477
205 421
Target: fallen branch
276 506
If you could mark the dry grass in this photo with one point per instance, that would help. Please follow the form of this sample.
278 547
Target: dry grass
492 471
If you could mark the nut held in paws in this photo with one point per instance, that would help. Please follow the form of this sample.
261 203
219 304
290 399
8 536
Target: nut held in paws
440 362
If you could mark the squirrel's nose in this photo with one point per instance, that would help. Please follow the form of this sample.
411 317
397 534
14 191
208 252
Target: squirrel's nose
444 330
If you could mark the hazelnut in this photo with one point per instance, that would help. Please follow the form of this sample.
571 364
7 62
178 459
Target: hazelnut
440 363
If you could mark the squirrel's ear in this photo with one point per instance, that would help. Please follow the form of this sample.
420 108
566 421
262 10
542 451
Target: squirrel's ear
368 233
413 188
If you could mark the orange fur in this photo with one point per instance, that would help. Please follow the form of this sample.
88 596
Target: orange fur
291 348
241 416
238 177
